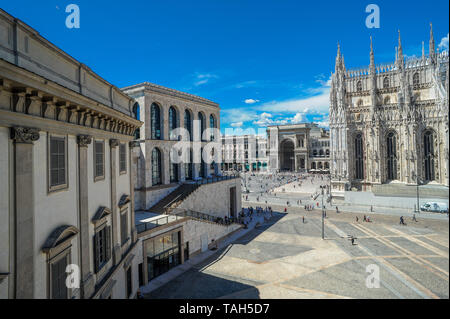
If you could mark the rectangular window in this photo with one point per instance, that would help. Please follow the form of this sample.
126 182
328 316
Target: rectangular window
57 162
124 226
122 158
129 283
102 247
58 278
99 160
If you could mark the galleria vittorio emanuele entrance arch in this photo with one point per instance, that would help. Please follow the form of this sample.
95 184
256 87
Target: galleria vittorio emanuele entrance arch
287 159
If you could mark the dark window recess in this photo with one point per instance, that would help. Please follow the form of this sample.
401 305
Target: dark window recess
122 158
102 248
57 161
99 155
129 283
124 227
141 274
58 269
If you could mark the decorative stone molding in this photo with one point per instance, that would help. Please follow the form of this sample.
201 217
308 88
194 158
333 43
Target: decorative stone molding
124 199
59 236
135 143
3 276
113 142
24 135
101 215
84 140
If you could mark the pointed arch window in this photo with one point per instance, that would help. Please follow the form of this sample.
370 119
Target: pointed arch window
416 79
428 153
156 121
173 122
359 86
359 159
386 83
391 156
156 167
387 100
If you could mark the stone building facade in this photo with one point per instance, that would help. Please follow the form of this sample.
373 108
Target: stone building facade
165 111
303 147
67 195
244 153
389 123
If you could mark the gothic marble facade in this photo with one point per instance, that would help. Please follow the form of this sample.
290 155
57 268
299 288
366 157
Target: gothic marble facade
389 123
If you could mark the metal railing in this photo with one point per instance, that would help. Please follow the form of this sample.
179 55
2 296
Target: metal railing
215 179
157 222
203 216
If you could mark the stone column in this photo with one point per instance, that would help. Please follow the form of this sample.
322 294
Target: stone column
23 138
114 143
87 280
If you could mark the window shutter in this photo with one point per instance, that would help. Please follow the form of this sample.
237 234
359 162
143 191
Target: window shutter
96 253
108 243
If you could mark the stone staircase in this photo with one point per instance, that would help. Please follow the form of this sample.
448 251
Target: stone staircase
174 199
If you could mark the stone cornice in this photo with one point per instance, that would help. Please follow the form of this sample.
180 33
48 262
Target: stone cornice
24 135
42 90
147 86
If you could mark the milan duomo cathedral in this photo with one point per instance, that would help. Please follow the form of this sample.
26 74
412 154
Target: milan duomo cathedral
389 123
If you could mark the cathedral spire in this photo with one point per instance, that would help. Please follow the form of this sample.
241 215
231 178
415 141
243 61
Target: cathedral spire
423 50
400 50
372 57
432 48
338 58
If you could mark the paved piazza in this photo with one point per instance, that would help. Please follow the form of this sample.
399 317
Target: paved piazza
287 258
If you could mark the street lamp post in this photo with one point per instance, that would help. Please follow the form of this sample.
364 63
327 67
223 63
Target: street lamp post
322 187
417 189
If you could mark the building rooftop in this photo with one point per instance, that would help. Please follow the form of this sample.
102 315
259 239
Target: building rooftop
133 89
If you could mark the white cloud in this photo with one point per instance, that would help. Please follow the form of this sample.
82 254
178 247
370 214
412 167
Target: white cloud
203 78
317 101
444 43
298 118
237 124
251 101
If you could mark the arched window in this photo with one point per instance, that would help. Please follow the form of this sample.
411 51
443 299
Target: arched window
321 152
188 166
313 165
359 86
174 172
327 166
314 152
156 121
212 124
416 79
327 152
359 159
387 100
201 118
391 156
156 167
188 123
172 122
428 154
386 82
360 103
202 165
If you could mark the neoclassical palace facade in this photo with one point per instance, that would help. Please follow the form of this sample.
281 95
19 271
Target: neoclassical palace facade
389 123
66 191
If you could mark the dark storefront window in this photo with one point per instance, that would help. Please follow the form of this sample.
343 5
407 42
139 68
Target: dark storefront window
163 254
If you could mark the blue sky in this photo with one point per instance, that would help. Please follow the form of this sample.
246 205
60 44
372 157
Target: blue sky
264 62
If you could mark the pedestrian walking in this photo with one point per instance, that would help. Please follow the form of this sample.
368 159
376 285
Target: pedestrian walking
303 219
414 218
357 219
365 218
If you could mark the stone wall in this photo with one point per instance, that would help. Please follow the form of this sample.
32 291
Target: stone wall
195 231
214 199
